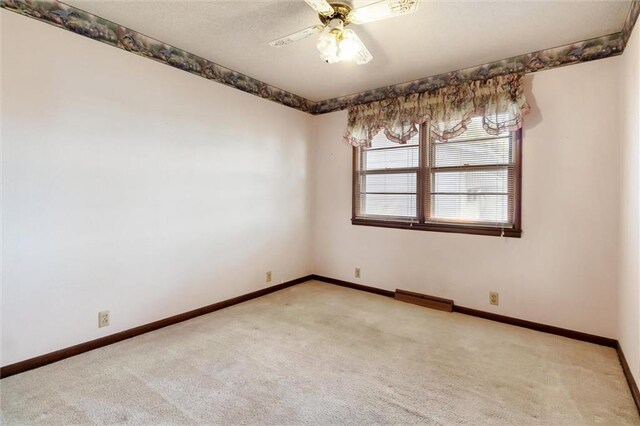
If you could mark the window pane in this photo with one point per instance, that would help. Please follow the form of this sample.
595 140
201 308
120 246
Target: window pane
471 153
392 158
397 182
474 208
477 181
388 205
380 141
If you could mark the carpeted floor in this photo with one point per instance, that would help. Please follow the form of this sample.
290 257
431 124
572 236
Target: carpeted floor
322 354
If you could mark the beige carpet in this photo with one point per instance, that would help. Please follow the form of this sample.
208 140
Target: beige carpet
322 354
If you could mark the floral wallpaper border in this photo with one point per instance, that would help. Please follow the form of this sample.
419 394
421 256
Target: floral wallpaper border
583 51
78 21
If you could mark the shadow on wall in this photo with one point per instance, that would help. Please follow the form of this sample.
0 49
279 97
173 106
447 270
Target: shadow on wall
535 115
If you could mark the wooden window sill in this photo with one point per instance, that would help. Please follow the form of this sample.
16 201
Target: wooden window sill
460 229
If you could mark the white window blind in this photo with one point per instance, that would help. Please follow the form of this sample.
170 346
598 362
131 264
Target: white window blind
388 179
471 178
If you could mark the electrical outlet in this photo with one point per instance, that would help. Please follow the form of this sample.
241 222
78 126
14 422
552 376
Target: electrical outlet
493 298
268 276
103 319
357 272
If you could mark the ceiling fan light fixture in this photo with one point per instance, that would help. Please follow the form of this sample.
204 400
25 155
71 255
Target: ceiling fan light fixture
328 43
337 44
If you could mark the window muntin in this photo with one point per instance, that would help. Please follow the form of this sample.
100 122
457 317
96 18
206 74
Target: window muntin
471 181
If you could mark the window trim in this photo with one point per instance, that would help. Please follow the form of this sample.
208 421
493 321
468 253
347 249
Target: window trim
514 231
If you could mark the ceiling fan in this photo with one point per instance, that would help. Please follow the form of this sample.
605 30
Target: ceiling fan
337 43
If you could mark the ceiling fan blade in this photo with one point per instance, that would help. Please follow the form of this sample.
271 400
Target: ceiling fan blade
382 10
297 36
354 48
321 6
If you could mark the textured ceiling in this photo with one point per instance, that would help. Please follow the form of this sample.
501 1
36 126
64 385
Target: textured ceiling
442 36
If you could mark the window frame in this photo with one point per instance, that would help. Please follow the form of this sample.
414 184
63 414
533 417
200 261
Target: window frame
514 231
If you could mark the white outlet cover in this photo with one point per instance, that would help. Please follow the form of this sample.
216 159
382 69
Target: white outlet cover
103 319
494 298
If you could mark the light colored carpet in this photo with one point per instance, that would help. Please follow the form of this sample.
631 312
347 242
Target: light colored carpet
322 354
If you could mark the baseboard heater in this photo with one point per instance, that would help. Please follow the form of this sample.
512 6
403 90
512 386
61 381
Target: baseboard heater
425 300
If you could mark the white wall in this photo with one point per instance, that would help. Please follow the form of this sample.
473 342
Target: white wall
138 188
1 186
629 315
142 189
561 272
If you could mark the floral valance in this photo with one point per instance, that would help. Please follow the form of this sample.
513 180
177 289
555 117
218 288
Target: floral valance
500 101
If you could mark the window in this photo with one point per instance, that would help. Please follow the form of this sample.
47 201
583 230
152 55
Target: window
469 184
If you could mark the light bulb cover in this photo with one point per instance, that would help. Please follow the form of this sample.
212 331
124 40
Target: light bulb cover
348 46
328 45
337 44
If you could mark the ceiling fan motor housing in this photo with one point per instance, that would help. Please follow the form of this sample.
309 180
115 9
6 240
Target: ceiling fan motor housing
341 12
